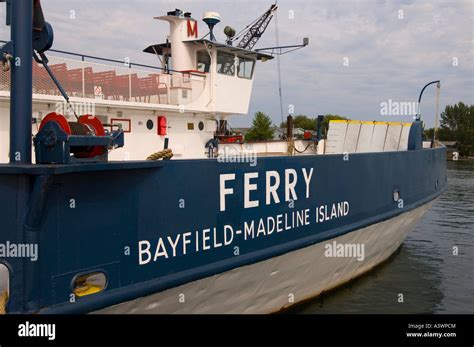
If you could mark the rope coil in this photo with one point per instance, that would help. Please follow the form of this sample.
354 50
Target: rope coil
163 154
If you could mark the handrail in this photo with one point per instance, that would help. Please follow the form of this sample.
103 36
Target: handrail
112 87
98 80
130 64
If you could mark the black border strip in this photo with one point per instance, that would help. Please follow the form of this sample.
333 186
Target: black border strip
260 329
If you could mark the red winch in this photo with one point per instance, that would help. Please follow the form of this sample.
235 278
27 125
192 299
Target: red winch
87 125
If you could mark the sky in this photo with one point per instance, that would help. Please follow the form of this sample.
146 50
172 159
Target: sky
361 53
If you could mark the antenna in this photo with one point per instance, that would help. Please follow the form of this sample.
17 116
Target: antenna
211 19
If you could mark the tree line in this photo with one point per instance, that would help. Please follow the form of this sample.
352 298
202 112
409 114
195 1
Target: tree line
457 124
262 127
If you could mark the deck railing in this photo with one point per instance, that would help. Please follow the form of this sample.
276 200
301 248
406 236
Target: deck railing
92 80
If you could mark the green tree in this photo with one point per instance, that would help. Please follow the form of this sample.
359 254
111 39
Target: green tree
444 134
457 122
261 129
428 134
303 122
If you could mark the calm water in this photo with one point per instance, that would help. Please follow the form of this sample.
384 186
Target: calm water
424 269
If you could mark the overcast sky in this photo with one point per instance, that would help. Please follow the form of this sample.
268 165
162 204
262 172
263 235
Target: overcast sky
393 48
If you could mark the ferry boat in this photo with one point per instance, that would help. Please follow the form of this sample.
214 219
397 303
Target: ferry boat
137 201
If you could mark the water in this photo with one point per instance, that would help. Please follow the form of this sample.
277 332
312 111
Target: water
431 278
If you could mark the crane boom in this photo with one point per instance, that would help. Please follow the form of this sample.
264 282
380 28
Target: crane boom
257 29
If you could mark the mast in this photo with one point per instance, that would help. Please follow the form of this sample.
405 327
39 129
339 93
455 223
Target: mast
21 76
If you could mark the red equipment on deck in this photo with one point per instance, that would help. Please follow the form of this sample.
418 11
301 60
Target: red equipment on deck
87 125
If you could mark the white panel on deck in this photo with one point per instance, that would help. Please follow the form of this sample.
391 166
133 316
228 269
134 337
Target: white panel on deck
393 137
321 145
336 135
426 144
378 137
352 136
365 137
403 144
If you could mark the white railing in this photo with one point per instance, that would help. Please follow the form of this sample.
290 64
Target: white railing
108 82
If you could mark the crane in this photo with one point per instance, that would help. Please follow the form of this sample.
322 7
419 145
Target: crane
256 29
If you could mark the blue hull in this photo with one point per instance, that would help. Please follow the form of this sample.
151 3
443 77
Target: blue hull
150 226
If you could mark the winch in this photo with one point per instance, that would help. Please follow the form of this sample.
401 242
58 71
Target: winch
62 142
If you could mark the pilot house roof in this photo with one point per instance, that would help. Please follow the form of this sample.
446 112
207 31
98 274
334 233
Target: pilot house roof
165 48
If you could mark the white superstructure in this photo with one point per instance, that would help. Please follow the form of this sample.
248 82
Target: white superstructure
187 100
200 82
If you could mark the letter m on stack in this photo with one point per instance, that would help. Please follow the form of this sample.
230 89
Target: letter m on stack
192 28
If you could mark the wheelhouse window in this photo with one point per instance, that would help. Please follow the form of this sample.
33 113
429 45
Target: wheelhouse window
245 68
203 61
225 63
